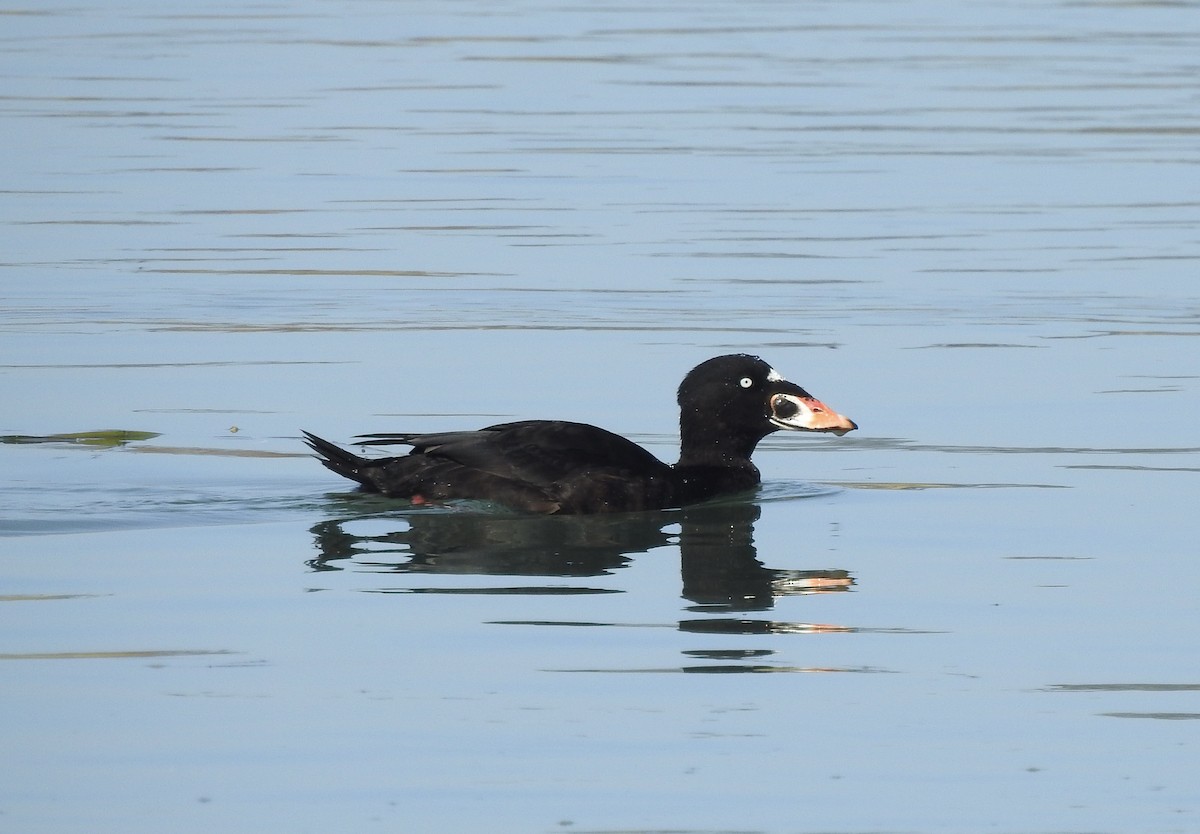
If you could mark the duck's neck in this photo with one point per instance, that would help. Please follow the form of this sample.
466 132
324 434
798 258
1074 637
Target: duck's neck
715 446
712 465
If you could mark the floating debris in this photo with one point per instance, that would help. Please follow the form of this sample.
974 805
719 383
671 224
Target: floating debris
103 437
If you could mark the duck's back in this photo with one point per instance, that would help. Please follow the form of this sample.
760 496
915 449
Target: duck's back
540 465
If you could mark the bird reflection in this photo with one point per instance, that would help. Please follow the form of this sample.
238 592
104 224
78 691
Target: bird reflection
720 568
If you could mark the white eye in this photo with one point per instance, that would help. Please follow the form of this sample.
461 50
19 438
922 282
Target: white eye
746 382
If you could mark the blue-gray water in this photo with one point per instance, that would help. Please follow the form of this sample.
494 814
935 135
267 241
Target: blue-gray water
971 227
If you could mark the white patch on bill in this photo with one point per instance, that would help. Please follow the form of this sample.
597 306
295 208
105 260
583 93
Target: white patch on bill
774 376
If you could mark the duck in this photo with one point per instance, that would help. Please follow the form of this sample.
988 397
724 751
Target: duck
727 404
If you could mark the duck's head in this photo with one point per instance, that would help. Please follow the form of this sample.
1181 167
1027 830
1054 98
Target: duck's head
742 396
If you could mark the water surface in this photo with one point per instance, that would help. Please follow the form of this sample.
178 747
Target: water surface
973 229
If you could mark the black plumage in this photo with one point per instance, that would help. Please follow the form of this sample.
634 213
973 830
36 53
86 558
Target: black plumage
727 405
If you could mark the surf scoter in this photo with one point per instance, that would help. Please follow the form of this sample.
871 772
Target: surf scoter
726 405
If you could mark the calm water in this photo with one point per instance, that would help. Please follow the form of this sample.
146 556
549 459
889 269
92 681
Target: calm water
971 227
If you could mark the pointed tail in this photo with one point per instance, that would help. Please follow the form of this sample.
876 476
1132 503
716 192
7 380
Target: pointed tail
337 459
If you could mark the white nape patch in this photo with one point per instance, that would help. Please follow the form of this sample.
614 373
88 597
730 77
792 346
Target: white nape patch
774 376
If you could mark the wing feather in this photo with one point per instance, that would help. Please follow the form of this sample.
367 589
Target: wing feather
538 452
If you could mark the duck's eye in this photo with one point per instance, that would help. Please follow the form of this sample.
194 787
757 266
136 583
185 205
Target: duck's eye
746 382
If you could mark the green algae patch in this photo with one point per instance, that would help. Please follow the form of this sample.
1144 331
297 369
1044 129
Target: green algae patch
102 438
